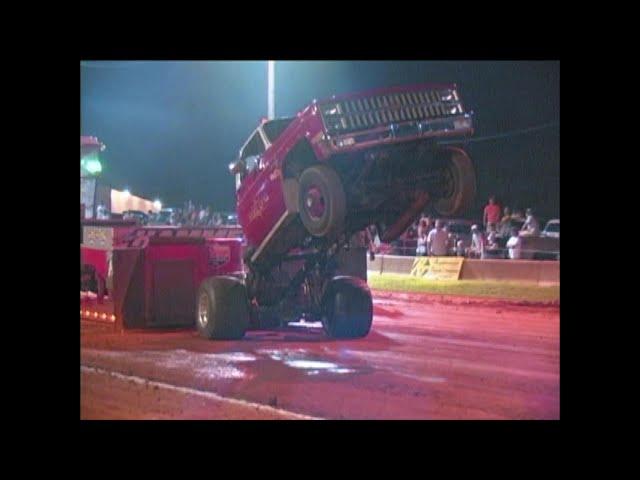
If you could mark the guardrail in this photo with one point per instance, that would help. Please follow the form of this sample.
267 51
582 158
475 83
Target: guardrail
527 271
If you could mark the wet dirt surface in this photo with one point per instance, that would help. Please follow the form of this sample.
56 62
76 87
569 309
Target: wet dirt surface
423 359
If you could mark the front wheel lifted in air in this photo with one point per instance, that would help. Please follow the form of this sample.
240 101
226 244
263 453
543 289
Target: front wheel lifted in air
321 200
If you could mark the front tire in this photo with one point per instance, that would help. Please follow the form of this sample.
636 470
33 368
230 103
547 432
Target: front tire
321 200
347 308
222 308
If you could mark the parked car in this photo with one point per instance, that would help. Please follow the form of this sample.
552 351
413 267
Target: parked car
552 228
538 247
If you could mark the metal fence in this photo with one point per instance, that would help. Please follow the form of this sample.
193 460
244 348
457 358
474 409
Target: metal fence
408 249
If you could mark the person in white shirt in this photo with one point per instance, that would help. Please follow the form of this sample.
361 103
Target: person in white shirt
202 215
477 243
421 245
438 240
531 225
491 248
514 245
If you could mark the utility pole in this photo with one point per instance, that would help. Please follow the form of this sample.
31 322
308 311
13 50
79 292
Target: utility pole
271 107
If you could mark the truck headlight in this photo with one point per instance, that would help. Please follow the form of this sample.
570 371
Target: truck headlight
345 142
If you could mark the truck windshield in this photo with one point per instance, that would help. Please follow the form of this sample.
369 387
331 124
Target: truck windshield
273 128
255 146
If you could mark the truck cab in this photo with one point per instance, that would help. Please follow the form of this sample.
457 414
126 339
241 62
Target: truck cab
350 161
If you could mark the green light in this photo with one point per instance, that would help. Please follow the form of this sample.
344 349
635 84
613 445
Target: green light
91 164
94 166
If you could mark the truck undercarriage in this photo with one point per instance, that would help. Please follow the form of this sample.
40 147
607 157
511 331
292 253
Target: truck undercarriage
388 187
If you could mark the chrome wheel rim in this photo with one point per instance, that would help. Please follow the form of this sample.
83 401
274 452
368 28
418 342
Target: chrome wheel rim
315 203
203 310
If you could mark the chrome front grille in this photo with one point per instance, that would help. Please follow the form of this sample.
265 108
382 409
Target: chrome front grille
346 116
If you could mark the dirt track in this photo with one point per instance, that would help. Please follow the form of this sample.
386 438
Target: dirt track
424 359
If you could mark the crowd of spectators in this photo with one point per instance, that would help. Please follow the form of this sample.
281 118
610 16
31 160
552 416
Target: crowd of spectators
499 235
192 215
424 237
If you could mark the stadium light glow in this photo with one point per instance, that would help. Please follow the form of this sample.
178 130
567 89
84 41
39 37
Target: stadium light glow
271 108
157 204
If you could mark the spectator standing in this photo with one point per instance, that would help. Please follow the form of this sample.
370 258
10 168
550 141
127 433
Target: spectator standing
438 240
531 225
477 243
412 232
431 224
424 226
369 243
374 237
505 223
514 244
421 248
491 213
506 216
491 237
492 249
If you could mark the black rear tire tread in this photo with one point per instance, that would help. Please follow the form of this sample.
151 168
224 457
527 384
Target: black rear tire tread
228 308
354 317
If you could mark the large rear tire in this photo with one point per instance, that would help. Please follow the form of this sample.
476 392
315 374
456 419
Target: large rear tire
321 200
461 183
347 308
222 308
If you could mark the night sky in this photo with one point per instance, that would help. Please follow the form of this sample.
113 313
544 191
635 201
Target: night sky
171 128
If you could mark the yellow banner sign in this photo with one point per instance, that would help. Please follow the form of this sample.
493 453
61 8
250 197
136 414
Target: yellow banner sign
437 268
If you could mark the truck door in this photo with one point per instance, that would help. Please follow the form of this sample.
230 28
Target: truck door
260 200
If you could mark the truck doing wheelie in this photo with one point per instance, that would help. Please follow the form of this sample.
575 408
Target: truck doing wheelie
307 185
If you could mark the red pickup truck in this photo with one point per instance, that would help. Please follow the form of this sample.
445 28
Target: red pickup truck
350 161
307 184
